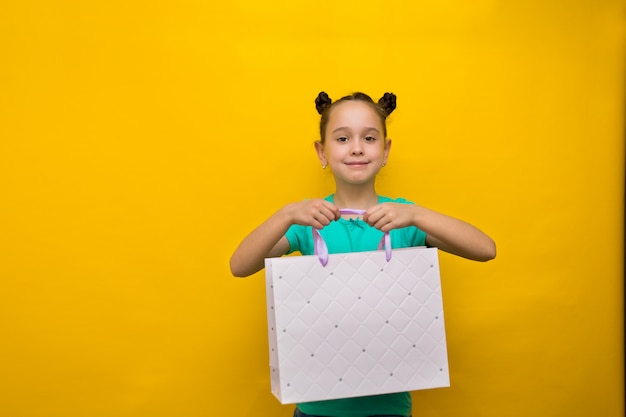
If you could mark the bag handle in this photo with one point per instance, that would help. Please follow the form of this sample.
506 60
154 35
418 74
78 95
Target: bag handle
321 250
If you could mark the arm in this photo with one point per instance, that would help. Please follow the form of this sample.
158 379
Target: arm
268 239
444 232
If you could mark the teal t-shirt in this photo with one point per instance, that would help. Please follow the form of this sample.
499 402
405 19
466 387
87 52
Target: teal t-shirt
354 235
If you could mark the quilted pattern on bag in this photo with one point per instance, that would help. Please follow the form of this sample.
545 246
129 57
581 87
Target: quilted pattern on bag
358 326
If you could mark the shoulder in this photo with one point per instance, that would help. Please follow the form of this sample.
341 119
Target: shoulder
399 200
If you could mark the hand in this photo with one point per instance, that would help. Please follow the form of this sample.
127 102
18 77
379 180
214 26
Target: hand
388 216
317 213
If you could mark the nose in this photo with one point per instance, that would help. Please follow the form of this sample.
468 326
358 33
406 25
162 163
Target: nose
356 148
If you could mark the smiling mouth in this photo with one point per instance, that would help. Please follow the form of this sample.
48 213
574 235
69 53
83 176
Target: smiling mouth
357 163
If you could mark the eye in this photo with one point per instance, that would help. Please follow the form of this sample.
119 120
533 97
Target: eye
369 139
342 139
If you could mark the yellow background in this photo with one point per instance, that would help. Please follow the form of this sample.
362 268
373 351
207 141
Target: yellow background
141 140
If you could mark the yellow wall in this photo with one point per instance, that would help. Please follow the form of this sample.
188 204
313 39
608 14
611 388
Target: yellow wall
140 141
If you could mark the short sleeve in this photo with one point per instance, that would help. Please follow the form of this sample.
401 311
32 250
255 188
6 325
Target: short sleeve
300 239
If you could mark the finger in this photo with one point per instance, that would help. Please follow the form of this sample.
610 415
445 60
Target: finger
318 219
333 209
386 227
317 225
385 221
373 212
374 218
328 214
323 216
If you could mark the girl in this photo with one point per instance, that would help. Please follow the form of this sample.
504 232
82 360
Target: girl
354 145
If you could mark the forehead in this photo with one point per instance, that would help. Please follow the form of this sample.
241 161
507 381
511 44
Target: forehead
354 113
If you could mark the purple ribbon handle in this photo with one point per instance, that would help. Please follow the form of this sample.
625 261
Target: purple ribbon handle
321 250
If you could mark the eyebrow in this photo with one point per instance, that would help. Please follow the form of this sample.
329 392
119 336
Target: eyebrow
367 129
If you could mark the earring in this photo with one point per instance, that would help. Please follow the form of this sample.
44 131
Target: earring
384 163
323 166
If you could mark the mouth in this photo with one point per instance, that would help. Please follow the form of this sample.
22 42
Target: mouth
357 164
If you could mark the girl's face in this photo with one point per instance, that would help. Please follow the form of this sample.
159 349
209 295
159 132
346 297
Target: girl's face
355 148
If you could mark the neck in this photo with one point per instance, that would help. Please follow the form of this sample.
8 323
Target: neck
355 197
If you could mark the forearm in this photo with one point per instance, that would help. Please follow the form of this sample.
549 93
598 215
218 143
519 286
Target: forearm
453 235
268 240
261 243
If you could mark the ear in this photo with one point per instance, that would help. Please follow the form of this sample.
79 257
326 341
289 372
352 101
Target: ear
387 149
319 148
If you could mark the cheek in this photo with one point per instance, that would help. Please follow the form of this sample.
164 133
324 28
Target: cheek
332 150
379 149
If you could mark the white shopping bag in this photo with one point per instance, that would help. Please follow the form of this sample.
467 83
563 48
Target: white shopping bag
364 323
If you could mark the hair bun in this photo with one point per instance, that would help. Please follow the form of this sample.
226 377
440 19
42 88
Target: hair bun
388 103
322 102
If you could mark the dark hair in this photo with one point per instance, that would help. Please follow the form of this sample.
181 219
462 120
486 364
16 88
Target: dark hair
383 108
